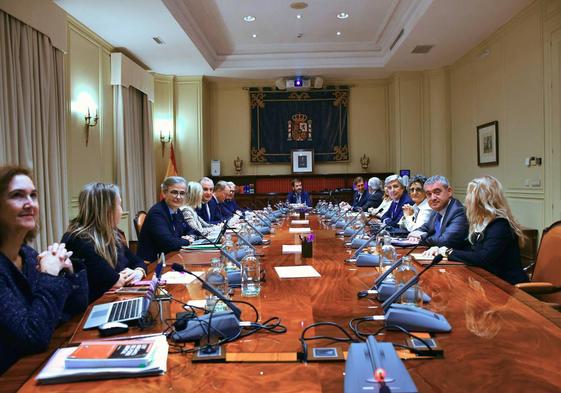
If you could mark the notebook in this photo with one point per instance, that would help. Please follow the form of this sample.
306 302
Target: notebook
125 310
213 239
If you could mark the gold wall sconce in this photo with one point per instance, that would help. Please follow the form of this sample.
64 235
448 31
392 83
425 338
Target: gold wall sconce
364 161
165 137
238 165
90 121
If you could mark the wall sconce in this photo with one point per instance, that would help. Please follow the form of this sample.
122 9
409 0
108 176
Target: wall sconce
165 137
238 165
90 122
364 161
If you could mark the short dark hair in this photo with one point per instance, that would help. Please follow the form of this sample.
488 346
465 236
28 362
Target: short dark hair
358 179
295 180
418 179
7 173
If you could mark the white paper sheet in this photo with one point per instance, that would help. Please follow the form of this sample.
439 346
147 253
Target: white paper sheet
420 257
303 271
291 249
299 230
173 277
300 222
201 303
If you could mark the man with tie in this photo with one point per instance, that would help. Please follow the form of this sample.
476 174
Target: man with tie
297 195
447 225
361 195
209 208
164 229
221 194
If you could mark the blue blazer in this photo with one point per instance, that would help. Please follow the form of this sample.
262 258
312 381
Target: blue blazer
395 212
360 201
33 304
232 205
496 251
215 215
101 275
304 197
225 210
160 234
374 200
453 229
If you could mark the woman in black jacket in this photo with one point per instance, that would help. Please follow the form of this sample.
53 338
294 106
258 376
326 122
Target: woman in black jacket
93 236
494 233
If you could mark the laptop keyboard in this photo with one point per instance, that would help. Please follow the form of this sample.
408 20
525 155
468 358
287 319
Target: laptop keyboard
125 310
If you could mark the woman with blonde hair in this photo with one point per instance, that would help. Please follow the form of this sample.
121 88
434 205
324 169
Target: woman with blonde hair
494 233
193 200
94 237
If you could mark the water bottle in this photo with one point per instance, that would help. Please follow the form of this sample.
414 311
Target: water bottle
218 278
251 275
403 274
231 249
388 256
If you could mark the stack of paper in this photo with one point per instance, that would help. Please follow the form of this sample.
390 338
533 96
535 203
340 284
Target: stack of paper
299 230
291 249
300 222
303 271
173 277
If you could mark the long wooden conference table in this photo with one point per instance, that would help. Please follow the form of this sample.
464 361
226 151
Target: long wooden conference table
502 340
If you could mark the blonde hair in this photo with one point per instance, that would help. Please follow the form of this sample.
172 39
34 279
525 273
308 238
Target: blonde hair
95 220
194 195
485 201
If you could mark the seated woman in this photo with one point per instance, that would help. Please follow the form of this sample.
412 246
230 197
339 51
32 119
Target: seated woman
383 207
414 216
494 233
193 200
93 236
38 291
375 193
396 190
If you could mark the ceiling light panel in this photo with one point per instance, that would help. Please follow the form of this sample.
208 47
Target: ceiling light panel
342 15
249 18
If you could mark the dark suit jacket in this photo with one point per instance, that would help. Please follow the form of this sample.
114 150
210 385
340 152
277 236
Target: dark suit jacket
215 215
33 304
101 275
374 199
395 212
304 198
231 205
159 234
224 210
360 202
453 230
496 251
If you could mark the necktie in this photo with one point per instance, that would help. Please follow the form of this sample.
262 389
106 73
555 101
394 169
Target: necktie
437 224
207 208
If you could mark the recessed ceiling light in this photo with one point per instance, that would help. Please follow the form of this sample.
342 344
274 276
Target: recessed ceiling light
338 33
249 18
342 15
254 35
298 16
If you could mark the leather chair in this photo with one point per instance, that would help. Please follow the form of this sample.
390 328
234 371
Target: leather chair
545 284
138 221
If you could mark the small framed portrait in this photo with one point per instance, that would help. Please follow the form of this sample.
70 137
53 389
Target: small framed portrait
302 160
488 144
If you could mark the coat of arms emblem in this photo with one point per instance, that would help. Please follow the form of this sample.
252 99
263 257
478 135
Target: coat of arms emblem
299 128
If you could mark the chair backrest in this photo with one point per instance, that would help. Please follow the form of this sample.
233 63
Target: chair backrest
548 261
138 221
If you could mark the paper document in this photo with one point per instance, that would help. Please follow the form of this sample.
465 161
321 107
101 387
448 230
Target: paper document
303 271
291 249
173 277
299 230
300 222
200 303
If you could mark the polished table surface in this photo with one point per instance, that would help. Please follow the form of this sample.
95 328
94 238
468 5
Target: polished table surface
501 339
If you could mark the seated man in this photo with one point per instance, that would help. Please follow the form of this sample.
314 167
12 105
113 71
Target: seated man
399 196
164 229
447 225
361 195
230 202
221 193
209 208
297 195
375 193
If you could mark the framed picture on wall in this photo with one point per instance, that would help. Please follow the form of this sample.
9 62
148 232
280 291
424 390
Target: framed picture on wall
488 144
302 160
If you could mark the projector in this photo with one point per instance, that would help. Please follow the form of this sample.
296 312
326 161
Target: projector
299 83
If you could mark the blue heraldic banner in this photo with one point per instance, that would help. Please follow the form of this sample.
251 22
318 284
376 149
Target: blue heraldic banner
282 121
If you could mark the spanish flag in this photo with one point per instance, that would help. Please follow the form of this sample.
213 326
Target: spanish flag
172 167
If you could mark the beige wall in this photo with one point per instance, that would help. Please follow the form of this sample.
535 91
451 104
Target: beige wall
502 79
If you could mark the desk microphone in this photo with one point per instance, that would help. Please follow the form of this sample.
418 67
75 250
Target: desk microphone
372 215
410 317
223 324
350 222
359 250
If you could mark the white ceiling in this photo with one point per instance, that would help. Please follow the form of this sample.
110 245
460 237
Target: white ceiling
210 37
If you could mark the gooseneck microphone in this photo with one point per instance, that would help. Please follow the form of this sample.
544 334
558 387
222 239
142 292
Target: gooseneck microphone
359 250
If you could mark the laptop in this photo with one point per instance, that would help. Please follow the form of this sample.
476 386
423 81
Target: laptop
214 240
126 310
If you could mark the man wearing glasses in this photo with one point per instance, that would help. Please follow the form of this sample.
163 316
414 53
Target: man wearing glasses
164 229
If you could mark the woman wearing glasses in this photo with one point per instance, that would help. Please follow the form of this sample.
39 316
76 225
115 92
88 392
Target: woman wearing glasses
94 238
414 216
38 291
164 229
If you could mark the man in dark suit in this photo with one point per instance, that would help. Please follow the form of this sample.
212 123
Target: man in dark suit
361 195
399 196
164 229
297 195
221 194
375 193
209 208
447 225
230 202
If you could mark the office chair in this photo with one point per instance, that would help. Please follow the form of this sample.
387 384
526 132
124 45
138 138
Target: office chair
138 221
545 283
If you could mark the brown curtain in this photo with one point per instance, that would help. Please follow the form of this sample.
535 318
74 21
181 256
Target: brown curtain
32 118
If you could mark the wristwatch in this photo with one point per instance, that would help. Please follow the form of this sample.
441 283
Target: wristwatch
448 252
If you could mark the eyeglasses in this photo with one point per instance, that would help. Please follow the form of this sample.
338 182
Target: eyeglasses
415 189
177 193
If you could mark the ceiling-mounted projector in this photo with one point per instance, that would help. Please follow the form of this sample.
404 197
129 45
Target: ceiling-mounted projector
299 83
